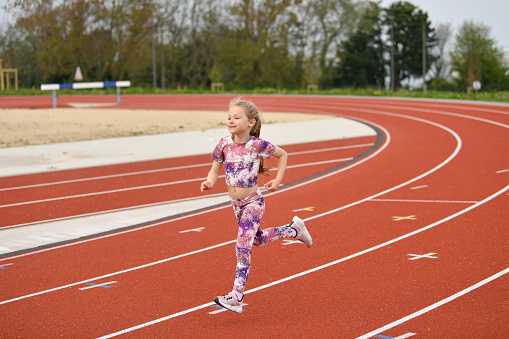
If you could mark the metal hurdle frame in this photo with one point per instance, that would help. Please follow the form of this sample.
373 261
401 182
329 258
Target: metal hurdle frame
84 85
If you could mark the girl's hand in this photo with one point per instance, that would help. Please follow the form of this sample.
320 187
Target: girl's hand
272 185
206 185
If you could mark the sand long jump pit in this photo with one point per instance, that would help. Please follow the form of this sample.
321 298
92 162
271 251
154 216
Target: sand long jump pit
23 127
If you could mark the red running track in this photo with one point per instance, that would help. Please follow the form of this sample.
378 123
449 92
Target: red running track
409 241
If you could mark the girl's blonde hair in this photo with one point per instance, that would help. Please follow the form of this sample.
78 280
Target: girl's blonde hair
252 112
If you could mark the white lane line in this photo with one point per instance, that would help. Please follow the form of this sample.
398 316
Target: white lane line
331 149
436 168
378 151
388 139
466 108
115 234
502 171
433 306
116 273
159 320
406 108
114 210
209 304
104 192
310 164
318 268
166 169
432 201
104 177
374 154
316 163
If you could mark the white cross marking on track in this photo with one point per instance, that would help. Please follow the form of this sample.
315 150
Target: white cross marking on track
199 229
417 187
410 217
291 242
420 256
104 285
305 209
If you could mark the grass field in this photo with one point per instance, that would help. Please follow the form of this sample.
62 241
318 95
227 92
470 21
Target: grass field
496 96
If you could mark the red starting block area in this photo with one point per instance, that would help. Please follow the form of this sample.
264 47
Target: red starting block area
410 235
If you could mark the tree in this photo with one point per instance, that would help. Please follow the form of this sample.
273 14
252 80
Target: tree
172 26
441 64
259 53
475 56
17 51
362 55
103 37
328 23
406 23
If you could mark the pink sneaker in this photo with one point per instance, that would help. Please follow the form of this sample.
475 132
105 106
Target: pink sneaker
230 302
302 233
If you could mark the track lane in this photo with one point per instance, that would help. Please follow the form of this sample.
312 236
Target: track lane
161 238
300 333
477 311
293 192
384 292
106 194
485 244
261 302
64 188
502 242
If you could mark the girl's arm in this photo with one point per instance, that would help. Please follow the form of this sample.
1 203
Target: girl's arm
282 158
211 177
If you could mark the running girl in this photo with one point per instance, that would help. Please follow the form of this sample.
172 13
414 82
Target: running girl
242 153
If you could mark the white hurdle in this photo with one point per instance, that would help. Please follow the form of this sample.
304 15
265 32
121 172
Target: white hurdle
83 85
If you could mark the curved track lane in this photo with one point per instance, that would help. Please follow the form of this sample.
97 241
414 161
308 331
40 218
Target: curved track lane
412 233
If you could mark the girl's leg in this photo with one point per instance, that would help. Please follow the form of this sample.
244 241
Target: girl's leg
249 218
265 236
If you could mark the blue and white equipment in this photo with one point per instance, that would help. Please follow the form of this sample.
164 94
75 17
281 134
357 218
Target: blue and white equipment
84 85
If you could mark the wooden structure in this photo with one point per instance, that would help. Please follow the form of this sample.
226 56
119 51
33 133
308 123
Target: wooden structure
217 86
5 77
312 88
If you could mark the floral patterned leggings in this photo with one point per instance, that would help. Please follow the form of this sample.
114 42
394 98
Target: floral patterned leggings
249 212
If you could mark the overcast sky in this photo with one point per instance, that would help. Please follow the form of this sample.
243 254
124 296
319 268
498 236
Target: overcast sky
493 13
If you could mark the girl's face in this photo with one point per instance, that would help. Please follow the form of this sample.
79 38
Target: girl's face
238 122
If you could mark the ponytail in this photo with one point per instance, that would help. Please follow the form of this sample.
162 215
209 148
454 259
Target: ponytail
252 112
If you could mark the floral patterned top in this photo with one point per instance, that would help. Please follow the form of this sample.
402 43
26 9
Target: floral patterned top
242 161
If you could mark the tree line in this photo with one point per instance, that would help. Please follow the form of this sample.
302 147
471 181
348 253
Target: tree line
245 44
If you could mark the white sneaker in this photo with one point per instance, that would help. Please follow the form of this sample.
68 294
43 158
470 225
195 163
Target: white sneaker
230 302
302 233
